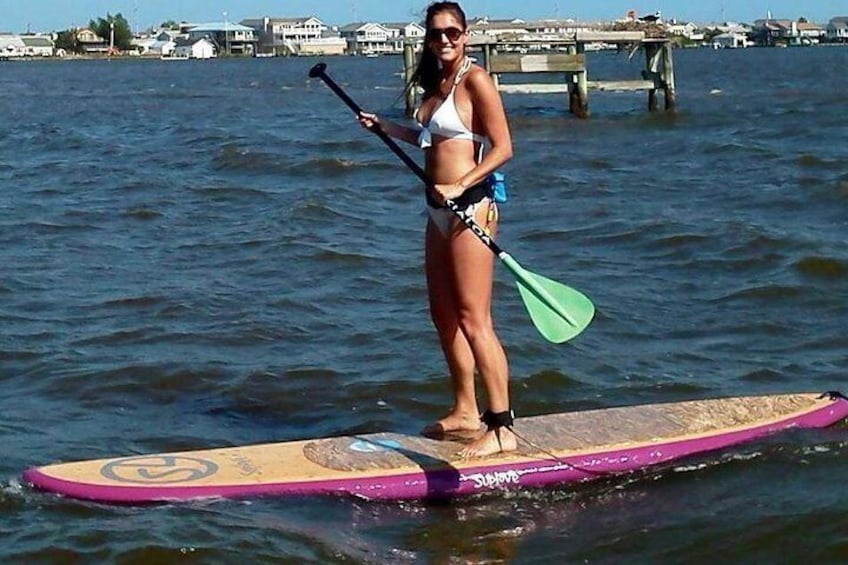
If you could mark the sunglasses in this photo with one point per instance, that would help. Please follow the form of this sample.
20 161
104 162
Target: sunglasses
452 33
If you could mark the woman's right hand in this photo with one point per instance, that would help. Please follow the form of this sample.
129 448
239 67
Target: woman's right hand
368 120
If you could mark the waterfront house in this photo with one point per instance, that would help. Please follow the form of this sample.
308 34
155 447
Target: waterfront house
142 44
558 28
162 48
89 42
169 35
534 30
498 28
731 35
11 46
15 46
688 30
370 38
732 39
810 33
162 44
407 31
229 38
188 48
295 36
330 44
770 32
837 29
787 32
38 46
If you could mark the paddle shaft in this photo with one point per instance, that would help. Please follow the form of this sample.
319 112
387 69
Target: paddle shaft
319 71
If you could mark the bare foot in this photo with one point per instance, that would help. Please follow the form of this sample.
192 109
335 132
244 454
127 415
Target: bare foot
453 423
496 440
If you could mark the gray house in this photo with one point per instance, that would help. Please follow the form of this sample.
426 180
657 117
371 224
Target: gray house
295 36
14 46
11 46
230 38
38 46
837 29
367 38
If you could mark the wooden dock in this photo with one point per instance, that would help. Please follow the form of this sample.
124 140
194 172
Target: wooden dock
566 56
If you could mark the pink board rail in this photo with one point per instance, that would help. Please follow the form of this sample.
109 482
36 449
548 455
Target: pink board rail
578 446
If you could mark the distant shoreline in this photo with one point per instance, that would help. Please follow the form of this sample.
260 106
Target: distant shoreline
90 57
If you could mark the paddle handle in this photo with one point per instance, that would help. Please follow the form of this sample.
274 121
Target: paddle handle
320 71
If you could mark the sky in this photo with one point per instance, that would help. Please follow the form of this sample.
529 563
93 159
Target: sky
53 15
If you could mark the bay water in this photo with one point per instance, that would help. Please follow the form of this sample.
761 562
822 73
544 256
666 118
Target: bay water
214 253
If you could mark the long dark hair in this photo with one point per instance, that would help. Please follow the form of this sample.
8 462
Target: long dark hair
426 74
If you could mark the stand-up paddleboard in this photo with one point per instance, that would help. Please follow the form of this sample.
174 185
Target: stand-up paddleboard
568 447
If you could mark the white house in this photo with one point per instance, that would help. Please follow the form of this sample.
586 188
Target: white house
90 42
730 40
552 29
287 36
689 30
406 31
11 46
169 35
38 46
496 28
162 48
837 29
142 44
770 32
555 29
195 49
231 38
810 33
328 45
368 38
154 46
413 30
281 29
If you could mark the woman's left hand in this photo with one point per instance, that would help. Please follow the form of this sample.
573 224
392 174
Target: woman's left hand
443 192
369 120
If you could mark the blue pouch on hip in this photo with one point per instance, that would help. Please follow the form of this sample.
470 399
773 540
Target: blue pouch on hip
496 187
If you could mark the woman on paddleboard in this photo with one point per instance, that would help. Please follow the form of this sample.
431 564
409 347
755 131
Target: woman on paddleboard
465 137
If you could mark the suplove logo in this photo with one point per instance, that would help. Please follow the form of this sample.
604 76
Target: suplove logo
495 479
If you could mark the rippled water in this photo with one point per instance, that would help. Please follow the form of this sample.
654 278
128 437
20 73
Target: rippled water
214 253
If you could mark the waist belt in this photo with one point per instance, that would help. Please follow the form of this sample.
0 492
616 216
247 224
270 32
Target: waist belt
472 195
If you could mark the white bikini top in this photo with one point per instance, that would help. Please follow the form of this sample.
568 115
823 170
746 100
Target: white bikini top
445 121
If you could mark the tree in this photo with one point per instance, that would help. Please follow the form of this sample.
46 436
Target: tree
67 40
709 35
170 24
123 34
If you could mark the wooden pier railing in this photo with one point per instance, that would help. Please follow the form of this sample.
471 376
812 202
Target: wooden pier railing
567 56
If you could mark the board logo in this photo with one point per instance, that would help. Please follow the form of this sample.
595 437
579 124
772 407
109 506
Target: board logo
495 479
158 469
374 446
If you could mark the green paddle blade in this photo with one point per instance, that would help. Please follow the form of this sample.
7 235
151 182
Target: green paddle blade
558 312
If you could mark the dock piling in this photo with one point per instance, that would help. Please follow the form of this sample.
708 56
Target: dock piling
567 57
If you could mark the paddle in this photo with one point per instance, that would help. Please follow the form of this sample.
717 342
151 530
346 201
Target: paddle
557 311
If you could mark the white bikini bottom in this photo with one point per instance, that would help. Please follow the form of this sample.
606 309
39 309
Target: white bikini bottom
447 222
